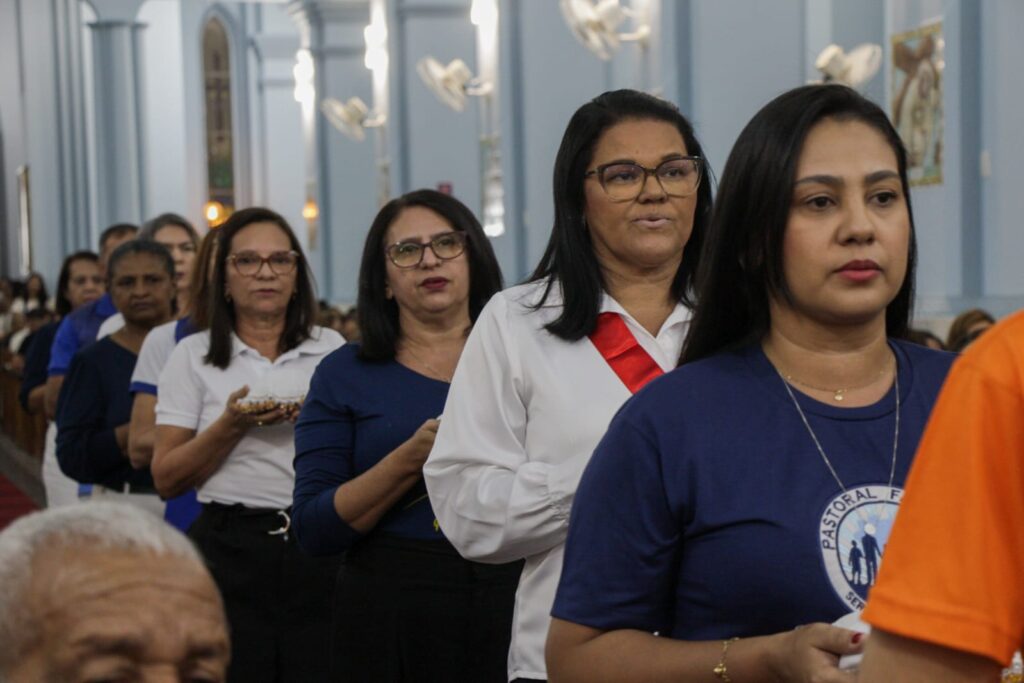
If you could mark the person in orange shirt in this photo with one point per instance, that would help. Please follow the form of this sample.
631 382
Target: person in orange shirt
949 603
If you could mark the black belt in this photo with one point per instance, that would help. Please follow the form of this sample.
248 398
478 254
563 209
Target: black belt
271 521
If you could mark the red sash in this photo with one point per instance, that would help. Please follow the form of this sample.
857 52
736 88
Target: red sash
623 352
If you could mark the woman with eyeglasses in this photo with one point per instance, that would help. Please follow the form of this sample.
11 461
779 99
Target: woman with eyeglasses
549 362
740 505
238 453
408 607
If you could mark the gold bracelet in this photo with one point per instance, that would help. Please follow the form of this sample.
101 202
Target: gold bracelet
721 671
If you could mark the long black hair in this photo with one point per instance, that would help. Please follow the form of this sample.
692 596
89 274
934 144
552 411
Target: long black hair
63 304
378 315
569 257
742 267
302 308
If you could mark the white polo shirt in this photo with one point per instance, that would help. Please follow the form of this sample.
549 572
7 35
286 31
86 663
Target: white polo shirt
524 414
191 394
153 356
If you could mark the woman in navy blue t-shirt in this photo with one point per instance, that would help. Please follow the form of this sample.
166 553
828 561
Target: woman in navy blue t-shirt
746 497
408 607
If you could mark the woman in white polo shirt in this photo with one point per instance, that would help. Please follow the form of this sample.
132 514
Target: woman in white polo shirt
261 336
548 363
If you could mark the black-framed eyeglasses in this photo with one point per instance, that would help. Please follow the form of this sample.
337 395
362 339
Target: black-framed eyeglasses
623 182
249 263
409 254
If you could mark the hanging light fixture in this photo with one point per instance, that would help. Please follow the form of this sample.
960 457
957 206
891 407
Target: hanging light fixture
353 116
453 83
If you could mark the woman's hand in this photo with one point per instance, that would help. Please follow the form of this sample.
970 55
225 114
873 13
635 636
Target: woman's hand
241 420
810 654
417 447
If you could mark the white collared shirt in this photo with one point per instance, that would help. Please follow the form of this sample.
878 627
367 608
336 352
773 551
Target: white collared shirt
110 326
525 411
153 356
191 394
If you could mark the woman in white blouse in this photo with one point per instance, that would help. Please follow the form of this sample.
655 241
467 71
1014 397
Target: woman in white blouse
261 336
549 362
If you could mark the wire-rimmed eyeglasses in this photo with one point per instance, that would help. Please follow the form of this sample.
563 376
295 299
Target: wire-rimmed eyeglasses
623 181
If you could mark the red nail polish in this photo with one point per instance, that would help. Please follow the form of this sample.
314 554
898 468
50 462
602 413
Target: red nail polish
856 638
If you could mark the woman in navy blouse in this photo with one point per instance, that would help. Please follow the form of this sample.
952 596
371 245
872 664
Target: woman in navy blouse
408 607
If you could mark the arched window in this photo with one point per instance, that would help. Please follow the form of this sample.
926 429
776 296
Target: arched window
219 137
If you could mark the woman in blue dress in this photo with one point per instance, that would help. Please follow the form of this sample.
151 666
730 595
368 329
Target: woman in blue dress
408 607
720 509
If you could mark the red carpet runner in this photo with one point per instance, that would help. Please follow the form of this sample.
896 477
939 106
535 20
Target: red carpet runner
13 503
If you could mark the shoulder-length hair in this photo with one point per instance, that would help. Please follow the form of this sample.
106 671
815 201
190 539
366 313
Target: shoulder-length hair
569 258
63 303
741 268
154 225
378 315
199 282
959 331
301 313
42 296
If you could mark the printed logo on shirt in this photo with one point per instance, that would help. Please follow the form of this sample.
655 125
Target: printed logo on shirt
853 532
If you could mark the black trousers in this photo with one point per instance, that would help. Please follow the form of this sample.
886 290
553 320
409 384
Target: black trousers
411 611
278 600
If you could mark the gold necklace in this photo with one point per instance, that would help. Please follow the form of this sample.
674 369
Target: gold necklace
447 378
837 394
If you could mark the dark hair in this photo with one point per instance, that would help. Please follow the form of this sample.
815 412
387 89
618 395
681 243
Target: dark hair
63 304
569 257
378 315
151 227
301 313
141 247
117 230
742 264
43 295
199 283
959 331
922 337
37 314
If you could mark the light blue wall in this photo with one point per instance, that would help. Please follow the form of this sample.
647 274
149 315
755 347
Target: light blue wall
164 109
12 132
1002 92
721 60
743 54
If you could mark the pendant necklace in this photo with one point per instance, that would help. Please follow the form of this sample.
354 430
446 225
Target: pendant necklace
817 443
837 394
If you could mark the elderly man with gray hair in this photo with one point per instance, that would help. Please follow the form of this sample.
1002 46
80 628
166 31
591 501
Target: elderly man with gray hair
106 592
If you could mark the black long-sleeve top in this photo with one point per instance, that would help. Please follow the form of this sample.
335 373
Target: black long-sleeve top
95 400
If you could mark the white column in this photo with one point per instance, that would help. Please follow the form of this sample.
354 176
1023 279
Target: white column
120 149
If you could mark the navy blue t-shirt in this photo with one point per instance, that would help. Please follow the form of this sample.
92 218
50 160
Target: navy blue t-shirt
356 412
707 512
94 401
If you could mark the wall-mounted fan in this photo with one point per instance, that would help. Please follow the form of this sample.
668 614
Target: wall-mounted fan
452 83
352 117
854 69
595 24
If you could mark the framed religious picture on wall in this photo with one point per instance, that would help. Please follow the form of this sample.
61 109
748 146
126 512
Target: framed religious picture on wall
918 64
